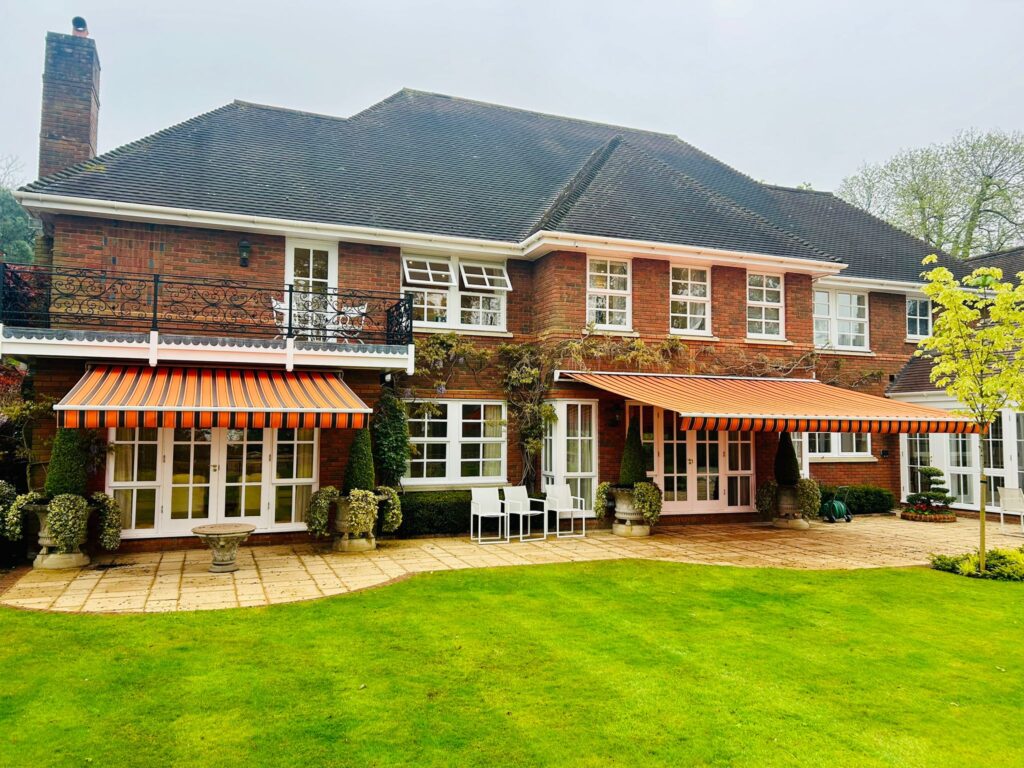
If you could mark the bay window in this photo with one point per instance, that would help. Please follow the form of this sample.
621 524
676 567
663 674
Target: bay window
609 296
456 442
840 319
690 300
765 306
456 293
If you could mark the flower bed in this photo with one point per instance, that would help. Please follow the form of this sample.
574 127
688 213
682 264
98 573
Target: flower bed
923 513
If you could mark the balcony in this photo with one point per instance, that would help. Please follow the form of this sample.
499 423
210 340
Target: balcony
80 312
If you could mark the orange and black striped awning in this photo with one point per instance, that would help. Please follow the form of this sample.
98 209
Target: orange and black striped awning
139 396
739 404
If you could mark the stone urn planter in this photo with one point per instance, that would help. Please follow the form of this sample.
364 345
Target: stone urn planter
924 517
788 510
350 540
628 521
49 558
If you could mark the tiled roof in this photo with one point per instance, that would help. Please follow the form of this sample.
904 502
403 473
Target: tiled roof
430 163
1011 261
915 376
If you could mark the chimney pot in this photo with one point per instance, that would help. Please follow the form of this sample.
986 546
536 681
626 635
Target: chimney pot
79 28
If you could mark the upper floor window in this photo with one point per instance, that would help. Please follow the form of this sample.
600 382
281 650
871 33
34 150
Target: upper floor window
765 306
456 293
690 300
840 319
608 294
919 318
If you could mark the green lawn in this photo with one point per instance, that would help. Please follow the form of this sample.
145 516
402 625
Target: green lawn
586 664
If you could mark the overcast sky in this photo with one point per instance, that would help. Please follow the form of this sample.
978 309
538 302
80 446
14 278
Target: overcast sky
785 90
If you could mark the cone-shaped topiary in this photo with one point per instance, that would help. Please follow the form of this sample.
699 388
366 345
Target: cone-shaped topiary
67 471
787 467
632 470
359 470
390 428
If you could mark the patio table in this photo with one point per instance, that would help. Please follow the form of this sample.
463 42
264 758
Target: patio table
223 539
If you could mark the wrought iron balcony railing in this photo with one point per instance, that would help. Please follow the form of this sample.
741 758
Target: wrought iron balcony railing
37 296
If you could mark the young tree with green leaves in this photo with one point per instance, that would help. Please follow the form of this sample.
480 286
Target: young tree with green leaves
976 342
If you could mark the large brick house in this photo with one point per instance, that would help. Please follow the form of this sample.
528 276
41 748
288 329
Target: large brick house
224 296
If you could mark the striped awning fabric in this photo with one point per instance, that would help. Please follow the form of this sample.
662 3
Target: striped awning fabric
772 405
139 396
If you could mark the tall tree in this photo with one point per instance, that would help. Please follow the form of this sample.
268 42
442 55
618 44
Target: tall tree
17 229
976 344
965 197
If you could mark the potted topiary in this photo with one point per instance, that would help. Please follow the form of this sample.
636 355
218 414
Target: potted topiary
637 500
358 503
787 478
931 505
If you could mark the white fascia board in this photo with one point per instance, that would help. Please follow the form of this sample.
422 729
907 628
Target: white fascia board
531 248
868 284
934 398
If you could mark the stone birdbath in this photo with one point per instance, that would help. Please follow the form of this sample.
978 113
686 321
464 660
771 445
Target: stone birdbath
223 539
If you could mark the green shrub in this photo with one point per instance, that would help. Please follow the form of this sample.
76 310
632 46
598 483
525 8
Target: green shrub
13 519
362 512
319 510
390 428
808 497
935 494
109 512
862 499
67 472
1000 564
632 469
389 509
67 521
434 512
602 497
359 470
787 467
766 500
647 501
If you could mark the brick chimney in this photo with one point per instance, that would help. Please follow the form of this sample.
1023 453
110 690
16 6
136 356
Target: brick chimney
71 103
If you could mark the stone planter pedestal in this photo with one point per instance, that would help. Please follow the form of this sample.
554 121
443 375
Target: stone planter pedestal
48 559
348 541
223 540
789 511
628 522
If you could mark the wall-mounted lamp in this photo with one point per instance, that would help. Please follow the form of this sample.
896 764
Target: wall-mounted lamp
616 415
243 253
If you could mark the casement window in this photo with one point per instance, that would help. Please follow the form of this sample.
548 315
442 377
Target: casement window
739 479
824 445
995 459
840 320
295 473
690 300
919 318
609 294
456 442
456 293
311 268
765 306
962 468
919 455
570 448
132 476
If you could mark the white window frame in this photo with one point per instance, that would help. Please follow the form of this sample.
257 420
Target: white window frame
688 299
781 306
136 485
918 318
331 247
835 450
627 327
453 293
554 464
914 479
271 481
454 441
832 318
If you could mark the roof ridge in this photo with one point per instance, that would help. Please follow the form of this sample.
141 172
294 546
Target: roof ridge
379 104
506 107
730 203
124 149
802 190
577 185
993 254
274 108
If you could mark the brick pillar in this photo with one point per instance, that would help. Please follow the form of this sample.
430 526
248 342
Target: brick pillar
71 104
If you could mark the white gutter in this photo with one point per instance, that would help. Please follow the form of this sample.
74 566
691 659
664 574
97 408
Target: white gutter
533 247
867 283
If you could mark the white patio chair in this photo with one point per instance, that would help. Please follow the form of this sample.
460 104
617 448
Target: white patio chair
350 322
566 507
1011 502
518 502
485 505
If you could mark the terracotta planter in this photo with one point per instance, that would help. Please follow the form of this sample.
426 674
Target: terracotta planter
48 559
918 517
347 541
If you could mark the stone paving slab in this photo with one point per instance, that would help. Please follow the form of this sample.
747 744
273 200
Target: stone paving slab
179 581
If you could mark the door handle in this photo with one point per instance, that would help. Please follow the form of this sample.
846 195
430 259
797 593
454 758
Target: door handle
214 467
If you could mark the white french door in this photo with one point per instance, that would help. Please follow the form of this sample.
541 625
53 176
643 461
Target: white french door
697 471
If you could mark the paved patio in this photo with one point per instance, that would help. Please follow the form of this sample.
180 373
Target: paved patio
179 581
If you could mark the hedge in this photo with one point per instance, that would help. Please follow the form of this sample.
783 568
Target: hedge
862 499
433 512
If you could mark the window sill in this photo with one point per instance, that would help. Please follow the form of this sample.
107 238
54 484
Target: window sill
452 485
914 339
842 459
460 331
854 352
624 332
773 342
692 336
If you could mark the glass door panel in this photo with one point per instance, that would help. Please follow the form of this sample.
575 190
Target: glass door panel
706 468
243 474
675 462
192 468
